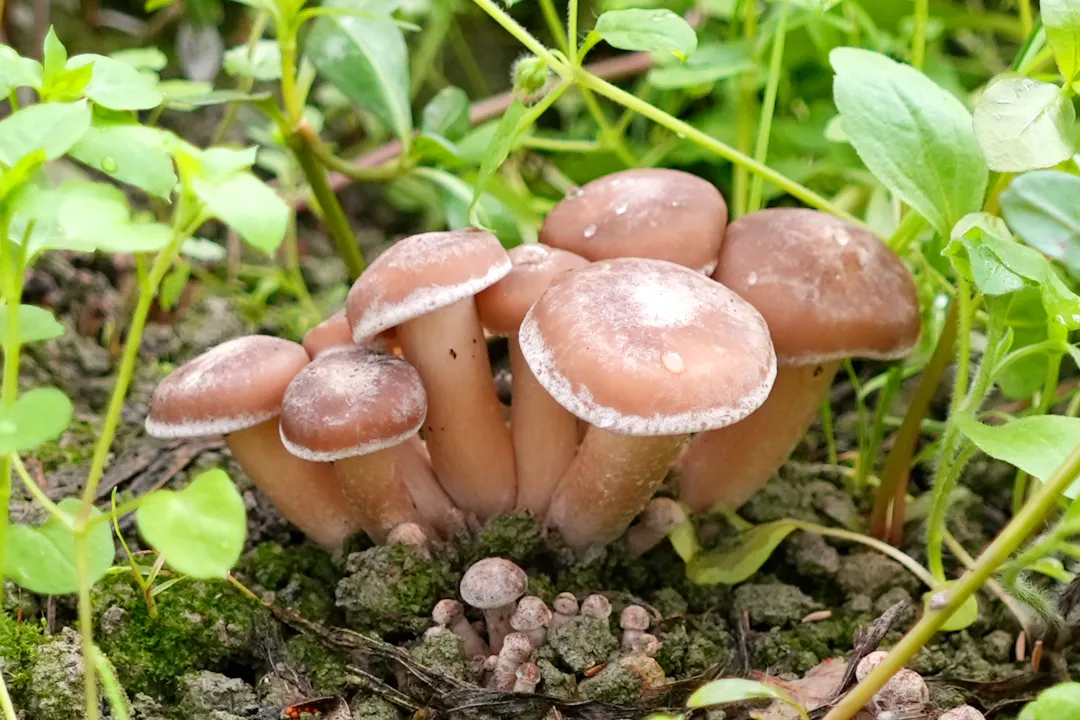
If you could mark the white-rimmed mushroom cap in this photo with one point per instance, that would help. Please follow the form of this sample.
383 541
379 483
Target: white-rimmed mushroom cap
502 306
228 388
351 402
421 274
647 347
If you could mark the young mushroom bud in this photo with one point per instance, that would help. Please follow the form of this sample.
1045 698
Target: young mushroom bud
516 650
235 390
643 644
532 618
450 614
634 621
565 607
964 712
647 352
904 694
494 585
424 286
527 678
660 516
647 213
596 606
544 432
828 290
411 534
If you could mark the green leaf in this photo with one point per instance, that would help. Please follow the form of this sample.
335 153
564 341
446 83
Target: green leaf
35 324
219 163
98 216
1022 124
248 206
447 114
436 149
17 71
185 96
963 618
54 57
711 62
262 62
148 58
128 152
1037 445
52 127
659 31
1041 208
729 690
1062 21
457 196
685 541
501 143
117 85
42 559
1025 316
203 249
199 530
172 287
36 417
734 563
913 135
367 60
1059 702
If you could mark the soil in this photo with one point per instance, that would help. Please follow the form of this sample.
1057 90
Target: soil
352 624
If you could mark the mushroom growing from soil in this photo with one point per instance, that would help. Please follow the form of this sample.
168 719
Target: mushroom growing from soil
652 213
494 585
660 517
544 432
359 409
532 618
647 352
424 286
565 607
828 290
235 390
634 621
450 614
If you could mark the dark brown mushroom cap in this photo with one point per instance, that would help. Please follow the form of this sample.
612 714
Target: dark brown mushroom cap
421 274
646 347
231 387
351 402
648 213
493 583
502 306
828 289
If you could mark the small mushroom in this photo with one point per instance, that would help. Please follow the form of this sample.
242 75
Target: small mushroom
647 352
424 286
596 606
634 621
411 534
905 693
565 607
646 213
643 644
868 663
516 650
964 712
532 617
660 516
451 614
527 678
544 432
236 390
494 585
828 290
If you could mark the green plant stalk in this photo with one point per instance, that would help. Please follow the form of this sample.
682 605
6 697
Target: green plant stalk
554 23
918 40
744 120
258 27
1005 544
11 267
608 134
1026 15
884 548
869 453
572 30
768 107
112 687
5 701
560 145
827 430
431 41
460 46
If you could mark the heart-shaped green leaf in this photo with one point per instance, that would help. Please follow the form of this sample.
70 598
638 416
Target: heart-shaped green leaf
1037 445
658 31
131 153
37 417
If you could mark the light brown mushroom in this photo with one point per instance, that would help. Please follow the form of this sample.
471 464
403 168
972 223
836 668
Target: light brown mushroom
660 517
565 607
643 644
634 621
494 585
646 213
647 352
596 606
528 677
451 615
515 651
544 432
335 332
532 618
235 390
828 291
358 408
424 286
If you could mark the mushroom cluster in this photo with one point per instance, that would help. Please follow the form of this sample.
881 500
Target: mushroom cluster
644 334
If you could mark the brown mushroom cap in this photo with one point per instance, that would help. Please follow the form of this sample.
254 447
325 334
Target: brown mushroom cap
634 617
566 604
421 274
231 387
351 402
502 306
334 331
531 613
828 289
493 583
646 347
649 213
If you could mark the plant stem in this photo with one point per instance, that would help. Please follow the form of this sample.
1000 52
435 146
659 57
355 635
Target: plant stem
918 40
523 36
468 62
1015 533
884 548
560 145
258 27
117 704
431 41
36 492
768 107
608 134
827 429
554 23
5 701
11 267
744 121
1026 16
572 31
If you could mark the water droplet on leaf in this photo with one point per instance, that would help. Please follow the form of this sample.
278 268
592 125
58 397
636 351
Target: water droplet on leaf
108 164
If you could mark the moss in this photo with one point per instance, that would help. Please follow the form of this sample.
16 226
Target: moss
614 684
19 644
75 446
583 642
690 652
272 566
205 692
556 683
773 604
372 707
516 536
803 646
445 653
391 590
55 689
325 668
200 625
312 599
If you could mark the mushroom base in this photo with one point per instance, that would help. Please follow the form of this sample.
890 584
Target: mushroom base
465 429
610 481
724 467
545 436
375 486
308 494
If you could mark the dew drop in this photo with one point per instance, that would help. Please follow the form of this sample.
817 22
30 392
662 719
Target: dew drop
108 164
673 362
676 203
1060 319
575 193
1076 318
590 230
620 209
751 279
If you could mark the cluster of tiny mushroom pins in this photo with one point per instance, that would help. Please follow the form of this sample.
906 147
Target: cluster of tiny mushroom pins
646 336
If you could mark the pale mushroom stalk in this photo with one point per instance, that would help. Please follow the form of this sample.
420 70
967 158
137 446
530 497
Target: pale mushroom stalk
412 535
717 470
515 651
375 485
450 614
447 348
494 585
660 517
565 608
528 677
427 494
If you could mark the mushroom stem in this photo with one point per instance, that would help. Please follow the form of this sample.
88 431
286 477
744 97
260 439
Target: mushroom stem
448 350
427 494
724 467
610 481
660 517
308 494
374 484
545 436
